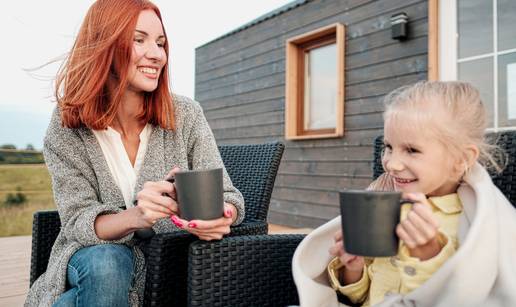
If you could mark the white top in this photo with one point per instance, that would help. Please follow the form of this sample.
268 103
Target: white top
118 161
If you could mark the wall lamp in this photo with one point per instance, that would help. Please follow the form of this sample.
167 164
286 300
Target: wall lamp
399 26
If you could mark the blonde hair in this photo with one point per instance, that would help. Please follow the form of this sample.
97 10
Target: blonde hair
429 101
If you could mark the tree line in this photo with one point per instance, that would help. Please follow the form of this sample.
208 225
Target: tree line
9 154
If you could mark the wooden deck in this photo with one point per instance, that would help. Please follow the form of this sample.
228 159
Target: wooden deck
15 265
14 270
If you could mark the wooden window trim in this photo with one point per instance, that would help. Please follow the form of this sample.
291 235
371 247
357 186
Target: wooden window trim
294 89
433 40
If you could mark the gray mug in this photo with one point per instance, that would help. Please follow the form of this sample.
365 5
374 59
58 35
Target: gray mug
369 220
200 194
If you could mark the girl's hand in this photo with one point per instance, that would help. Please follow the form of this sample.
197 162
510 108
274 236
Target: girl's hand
353 265
351 262
209 230
156 200
419 231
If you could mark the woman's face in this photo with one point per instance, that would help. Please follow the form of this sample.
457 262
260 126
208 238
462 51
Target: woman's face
148 57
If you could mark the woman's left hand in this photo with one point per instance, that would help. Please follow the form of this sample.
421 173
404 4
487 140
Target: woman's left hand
209 230
420 230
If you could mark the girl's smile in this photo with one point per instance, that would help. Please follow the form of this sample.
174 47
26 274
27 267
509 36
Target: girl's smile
402 183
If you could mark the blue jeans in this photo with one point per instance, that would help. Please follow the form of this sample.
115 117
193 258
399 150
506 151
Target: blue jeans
99 275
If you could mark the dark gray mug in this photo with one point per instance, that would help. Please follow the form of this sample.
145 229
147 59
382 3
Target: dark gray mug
200 194
369 220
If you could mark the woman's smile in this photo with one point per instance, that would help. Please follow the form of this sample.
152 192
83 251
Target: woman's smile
149 71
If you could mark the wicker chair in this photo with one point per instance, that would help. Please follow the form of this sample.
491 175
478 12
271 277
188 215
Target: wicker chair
256 270
252 169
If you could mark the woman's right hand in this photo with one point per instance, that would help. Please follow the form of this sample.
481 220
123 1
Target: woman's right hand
156 200
353 265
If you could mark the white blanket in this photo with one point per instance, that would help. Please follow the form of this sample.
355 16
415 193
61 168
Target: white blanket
481 273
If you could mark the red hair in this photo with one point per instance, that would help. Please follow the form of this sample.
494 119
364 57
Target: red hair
102 53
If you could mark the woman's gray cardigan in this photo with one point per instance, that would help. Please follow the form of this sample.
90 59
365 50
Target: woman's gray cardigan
84 188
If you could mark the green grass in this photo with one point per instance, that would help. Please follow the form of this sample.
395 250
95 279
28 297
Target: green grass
28 177
33 181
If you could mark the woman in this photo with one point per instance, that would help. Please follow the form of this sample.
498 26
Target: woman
114 138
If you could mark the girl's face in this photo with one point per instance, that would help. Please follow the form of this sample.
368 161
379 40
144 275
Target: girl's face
417 161
148 57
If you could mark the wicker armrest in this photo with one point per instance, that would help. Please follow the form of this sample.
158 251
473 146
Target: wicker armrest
166 257
45 228
243 271
249 229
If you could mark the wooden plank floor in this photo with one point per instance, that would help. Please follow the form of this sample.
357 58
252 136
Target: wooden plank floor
15 265
14 270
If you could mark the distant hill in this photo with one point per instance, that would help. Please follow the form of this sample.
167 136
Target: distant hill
15 156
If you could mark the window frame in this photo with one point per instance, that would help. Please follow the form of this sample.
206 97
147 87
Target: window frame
446 50
296 48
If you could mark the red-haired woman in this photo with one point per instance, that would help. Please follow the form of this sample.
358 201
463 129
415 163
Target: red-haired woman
114 137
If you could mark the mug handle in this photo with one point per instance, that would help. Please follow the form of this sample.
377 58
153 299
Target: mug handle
170 179
406 201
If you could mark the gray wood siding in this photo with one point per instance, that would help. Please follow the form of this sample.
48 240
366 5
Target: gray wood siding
240 82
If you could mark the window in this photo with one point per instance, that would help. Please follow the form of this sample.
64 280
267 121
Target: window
478 45
314 102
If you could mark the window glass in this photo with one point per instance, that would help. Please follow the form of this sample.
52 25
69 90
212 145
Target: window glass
480 74
475 26
506 24
320 97
507 90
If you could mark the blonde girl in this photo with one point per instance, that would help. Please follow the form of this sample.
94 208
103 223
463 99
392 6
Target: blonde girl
434 138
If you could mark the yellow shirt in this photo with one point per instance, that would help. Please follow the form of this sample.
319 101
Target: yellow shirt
401 274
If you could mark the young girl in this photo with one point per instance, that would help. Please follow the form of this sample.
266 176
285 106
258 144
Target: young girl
115 135
458 239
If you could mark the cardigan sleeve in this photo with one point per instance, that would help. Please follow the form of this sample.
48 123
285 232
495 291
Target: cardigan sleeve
75 197
204 154
356 292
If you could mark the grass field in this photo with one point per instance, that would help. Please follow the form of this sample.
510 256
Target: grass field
33 181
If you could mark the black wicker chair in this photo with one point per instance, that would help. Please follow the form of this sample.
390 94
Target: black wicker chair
243 271
256 270
252 169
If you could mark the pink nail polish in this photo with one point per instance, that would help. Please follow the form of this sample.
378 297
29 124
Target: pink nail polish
229 213
174 220
192 225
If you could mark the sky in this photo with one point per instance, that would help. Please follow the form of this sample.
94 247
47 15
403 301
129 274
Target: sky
34 33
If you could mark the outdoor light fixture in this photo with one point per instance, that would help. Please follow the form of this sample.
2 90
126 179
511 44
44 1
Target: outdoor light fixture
399 26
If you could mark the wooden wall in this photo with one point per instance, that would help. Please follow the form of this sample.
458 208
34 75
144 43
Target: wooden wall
240 82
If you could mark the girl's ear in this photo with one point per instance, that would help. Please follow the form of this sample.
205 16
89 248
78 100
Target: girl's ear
468 158
471 154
